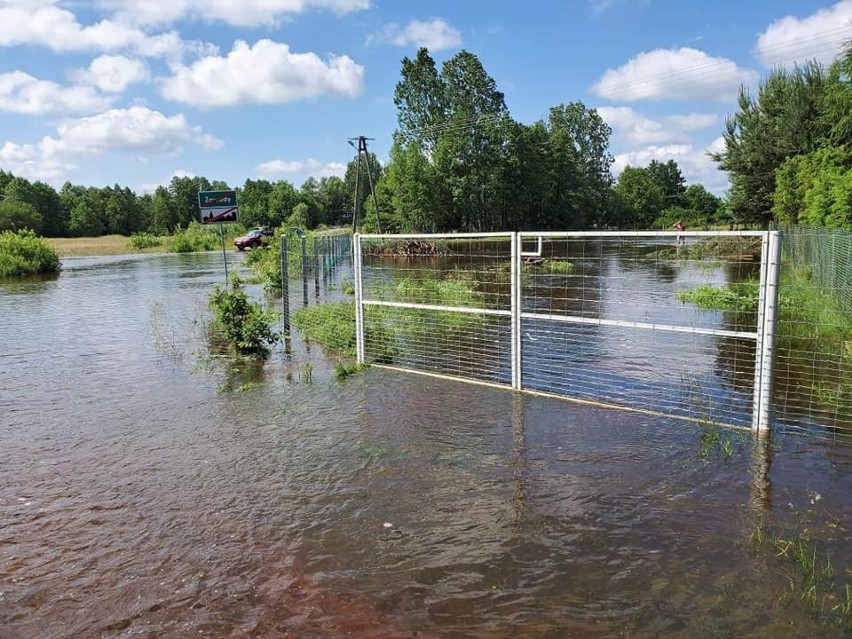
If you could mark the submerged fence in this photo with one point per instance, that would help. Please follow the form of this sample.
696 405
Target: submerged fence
596 316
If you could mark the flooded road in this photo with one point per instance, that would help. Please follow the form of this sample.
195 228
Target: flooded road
146 491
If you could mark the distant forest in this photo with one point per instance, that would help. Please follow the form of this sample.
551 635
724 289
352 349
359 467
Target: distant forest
459 162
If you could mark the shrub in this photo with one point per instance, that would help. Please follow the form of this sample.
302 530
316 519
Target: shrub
140 241
24 253
244 324
195 237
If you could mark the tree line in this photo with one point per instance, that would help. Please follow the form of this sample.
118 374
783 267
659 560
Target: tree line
459 162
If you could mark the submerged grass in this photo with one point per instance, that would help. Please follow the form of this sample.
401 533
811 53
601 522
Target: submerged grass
812 580
331 325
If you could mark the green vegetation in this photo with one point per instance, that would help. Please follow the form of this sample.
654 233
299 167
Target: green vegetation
331 325
142 241
24 253
554 266
812 580
342 371
734 297
787 148
195 237
245 325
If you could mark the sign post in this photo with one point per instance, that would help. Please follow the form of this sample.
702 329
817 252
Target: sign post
219 207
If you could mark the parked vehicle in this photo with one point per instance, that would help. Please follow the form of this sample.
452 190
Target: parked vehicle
252 239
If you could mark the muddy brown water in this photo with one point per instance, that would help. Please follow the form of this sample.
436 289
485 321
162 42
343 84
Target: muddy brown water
146 491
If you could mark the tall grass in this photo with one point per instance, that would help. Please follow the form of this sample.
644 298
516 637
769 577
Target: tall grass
24 253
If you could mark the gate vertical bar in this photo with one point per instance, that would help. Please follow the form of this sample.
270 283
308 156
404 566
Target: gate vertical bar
766 330
359 296
515 296
758 349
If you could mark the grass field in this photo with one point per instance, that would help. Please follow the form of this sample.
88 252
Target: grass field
104 245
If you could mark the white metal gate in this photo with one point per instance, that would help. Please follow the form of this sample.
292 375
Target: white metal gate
593 316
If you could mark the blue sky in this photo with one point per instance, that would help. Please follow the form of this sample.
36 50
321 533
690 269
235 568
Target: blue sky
133 92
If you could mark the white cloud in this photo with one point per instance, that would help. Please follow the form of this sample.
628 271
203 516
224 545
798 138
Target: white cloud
267 73
435 34
820 36
22 93
637 129
243 13
112 73
150 187
695 164
43 23
674 74
277 168
117 130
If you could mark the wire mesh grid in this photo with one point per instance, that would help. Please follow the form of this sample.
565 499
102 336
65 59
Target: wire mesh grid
621 320
439 304
600 317
813 365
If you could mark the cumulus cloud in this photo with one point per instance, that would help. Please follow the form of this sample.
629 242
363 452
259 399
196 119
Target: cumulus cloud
22 93
695 163
674 74
277 168
266 73
243 13
635 128
117 130
43 23
820 36
435 34
112 73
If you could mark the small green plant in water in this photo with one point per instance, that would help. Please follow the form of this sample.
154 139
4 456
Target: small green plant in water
244 324
308 373
342 371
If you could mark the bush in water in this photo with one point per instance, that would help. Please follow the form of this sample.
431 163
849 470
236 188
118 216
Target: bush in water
24 253
243 323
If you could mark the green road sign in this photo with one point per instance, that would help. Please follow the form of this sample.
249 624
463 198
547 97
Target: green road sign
210 199
218 206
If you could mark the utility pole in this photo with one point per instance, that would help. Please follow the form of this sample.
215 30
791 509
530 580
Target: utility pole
362 148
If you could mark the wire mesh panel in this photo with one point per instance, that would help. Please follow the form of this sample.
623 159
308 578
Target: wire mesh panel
653 321
813 367
440 304
635 320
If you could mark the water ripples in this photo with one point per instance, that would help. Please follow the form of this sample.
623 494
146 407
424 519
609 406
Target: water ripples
138 501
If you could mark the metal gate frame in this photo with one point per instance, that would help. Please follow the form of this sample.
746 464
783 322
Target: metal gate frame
764 335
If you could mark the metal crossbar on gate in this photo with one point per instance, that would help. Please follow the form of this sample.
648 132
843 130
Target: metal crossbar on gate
593 316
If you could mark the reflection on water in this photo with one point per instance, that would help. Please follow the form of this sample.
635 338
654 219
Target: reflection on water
141 496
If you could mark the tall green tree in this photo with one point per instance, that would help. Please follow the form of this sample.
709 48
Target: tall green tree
782 120
16 215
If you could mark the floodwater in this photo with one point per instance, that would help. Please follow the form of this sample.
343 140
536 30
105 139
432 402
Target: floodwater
149 491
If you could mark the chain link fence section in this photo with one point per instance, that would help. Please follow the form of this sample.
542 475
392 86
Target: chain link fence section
603 320
813 367
438 304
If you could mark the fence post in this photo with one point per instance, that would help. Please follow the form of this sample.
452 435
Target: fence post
766 328
515 296
285 286
359 296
